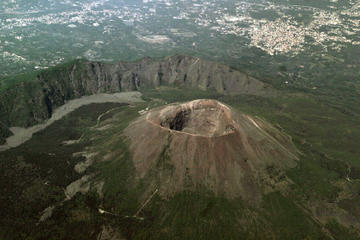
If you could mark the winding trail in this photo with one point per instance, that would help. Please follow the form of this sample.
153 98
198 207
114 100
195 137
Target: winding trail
21 135
145 203
103 114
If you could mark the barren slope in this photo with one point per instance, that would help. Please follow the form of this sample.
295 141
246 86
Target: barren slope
204 143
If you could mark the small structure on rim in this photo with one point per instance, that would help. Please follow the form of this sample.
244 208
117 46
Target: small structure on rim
204 144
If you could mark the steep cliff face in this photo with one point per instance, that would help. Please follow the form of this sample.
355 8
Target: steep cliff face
33 101
177 71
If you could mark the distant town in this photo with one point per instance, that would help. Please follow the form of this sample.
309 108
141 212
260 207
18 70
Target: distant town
98 29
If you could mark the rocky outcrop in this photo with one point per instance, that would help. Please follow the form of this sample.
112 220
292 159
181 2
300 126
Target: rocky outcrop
176 71
33 101
4 133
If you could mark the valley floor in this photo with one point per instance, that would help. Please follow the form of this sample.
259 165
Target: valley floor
21 135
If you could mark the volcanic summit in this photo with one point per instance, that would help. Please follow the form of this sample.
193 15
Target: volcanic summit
207 144
206 118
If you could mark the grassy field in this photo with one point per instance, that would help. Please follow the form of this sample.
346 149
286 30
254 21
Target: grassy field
33 175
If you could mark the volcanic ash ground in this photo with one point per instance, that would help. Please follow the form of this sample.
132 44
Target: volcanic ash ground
204 144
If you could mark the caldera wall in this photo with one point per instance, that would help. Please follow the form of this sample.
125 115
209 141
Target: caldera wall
34 101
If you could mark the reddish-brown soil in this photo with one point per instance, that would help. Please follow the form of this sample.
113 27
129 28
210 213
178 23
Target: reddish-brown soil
205 143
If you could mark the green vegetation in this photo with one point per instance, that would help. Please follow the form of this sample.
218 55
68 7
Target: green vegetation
171 95
340 232
29 99
288 221
352 205
4 133
33 175
14 80
187 215
318 105
77 219
325 132
119 191
201 215
190 215
326 136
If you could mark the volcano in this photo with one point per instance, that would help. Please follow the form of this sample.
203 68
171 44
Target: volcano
204 144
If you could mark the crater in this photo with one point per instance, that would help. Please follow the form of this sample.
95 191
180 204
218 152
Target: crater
203 117
209 145
179 122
